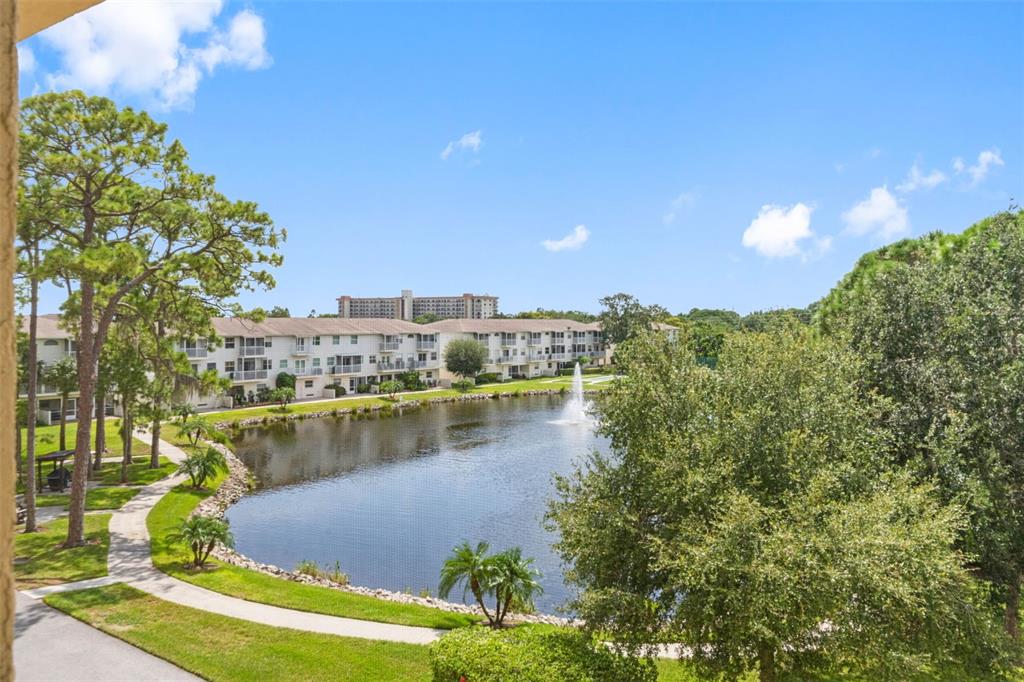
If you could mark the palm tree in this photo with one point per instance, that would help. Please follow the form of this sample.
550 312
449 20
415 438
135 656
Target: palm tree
470 568
63 376
196 428
514 582
202 465
202 534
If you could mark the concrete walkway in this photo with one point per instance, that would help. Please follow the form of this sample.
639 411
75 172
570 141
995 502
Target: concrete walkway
50 645
129 561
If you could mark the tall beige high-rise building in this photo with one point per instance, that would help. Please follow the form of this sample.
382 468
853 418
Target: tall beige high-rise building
409 307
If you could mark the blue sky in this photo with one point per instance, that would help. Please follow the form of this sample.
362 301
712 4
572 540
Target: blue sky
737 156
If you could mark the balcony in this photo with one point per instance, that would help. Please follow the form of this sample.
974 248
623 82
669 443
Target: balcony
426 345
301 349
251 351
346 369
309 372
249 374
535 342
197 353
403 366
389 346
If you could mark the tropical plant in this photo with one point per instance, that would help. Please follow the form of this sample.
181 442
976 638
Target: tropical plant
391 388
285 380
202 465
584 360
202 534
470 568
282 395
196 428
464 357
514 583
463 385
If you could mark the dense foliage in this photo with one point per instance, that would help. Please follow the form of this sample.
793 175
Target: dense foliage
464 357
532 654
751 514
940 324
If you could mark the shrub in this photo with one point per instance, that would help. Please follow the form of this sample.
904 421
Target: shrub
391 388
363 388
285 380
532 654
411 380
463 385
282 396
202 534
312 569
487 378
201 465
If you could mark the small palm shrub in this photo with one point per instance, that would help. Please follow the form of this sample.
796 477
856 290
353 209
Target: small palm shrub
202 534
463 385
196 428
202 465
507 576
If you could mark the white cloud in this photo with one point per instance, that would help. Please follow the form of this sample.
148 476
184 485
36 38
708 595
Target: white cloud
26 60
987 159
918 180
470 142
880 214
159 50
681 203
777 232
570 242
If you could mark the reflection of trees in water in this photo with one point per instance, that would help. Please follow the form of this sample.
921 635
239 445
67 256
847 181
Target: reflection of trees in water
296 451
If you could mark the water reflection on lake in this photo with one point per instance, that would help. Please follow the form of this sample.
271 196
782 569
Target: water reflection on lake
389 497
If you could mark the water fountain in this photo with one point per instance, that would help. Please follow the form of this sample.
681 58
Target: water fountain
575 411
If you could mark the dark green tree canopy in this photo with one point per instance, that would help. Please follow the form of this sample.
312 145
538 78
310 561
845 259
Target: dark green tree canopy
464 357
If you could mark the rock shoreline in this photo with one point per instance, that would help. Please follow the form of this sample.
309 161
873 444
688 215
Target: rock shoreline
239 482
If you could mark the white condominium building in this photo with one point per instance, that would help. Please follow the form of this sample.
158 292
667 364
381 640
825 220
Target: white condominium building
324 354
408 307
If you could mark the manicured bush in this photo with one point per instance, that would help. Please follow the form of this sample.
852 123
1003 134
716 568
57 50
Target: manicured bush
285 380
411 380
531 654
487 378
463 385
363 388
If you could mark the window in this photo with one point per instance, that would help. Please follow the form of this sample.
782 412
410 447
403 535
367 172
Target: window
309 383
283 365
211 365
229 342
433 356
50 342
195 368
316 362
229 366
353 339
316 340
335 340
373 360
266 344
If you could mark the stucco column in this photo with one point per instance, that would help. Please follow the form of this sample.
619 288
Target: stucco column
8 367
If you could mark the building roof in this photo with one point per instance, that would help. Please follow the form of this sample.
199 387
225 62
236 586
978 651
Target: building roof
47 327
492 325
314 326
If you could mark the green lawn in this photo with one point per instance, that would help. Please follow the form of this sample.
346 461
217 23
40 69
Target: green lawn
221 648
95 498
258 587
39 560
139 472
47 439
355 402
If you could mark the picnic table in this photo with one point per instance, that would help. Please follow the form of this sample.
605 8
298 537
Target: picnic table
59 475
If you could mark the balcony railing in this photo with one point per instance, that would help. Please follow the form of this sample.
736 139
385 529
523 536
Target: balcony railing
195 352
251 351
346 369
248 375
403 366
390 345
535 342
309 372
300 349
426 345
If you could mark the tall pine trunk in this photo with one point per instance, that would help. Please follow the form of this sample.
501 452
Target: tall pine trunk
87 365
101 434
127 427
32 408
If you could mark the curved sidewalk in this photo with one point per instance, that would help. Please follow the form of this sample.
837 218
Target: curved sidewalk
130 561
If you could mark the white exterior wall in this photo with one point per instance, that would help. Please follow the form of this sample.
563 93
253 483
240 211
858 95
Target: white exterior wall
524 354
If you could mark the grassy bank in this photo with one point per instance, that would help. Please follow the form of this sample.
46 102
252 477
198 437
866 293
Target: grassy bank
171 558
95 498
369 401
48 438
40 560
221 648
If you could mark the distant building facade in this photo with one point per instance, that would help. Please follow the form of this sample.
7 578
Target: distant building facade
408 307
